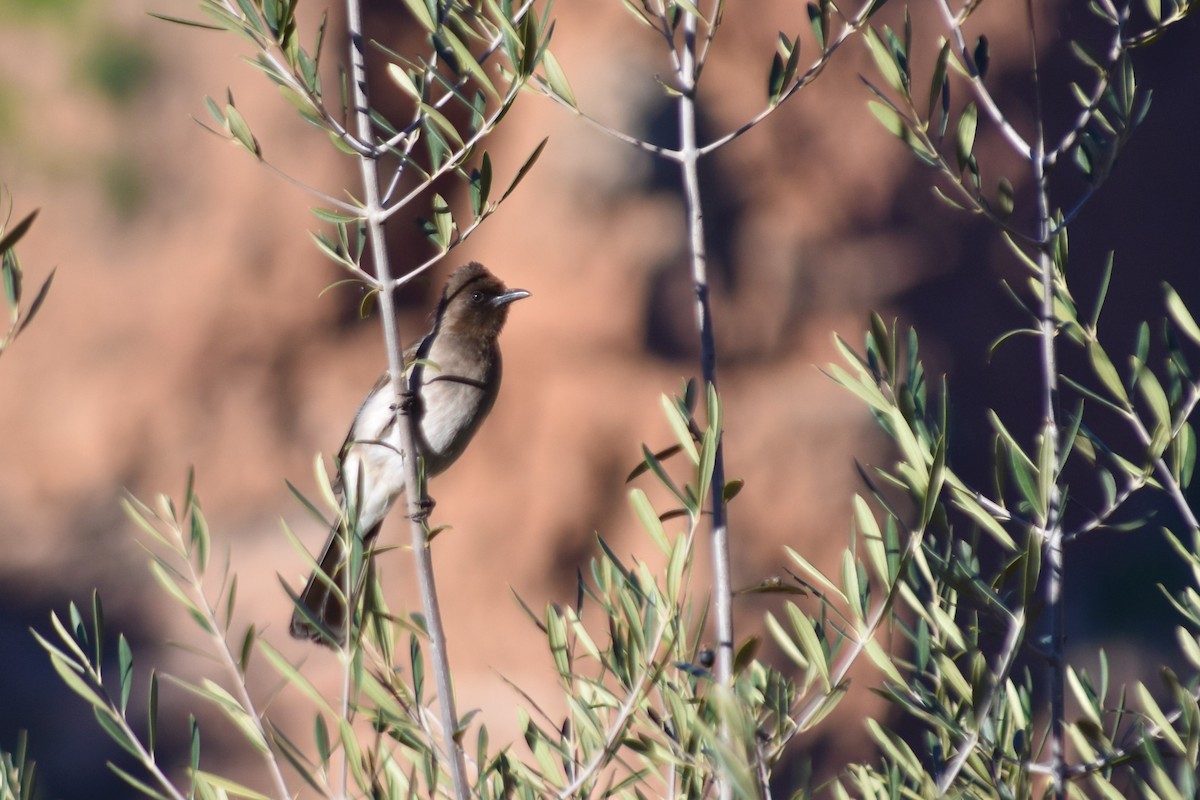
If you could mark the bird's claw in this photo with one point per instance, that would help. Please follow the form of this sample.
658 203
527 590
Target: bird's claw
424 509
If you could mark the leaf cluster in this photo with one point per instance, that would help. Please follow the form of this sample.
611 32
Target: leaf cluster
12 277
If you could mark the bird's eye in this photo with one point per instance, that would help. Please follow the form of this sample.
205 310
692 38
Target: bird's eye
477 297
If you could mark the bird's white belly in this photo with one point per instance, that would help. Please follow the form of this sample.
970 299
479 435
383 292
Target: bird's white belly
450 416
377 467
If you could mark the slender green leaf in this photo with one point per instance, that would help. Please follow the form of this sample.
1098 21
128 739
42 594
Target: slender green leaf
964 140
1181 315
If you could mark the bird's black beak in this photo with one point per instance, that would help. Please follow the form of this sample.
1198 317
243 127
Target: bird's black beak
508 297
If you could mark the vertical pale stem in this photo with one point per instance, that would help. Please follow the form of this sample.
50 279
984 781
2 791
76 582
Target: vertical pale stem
1051 528
406 434
689 156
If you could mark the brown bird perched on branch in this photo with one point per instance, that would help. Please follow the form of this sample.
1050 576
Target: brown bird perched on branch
455 378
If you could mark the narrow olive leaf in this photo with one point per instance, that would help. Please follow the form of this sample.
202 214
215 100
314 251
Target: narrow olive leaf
864 389
524 170
745 654
185 22
556 637
98 630
680 427
656 467
891 119
831 700
228 787
14 234
443 222
152 714
1107 373
421 11
10 276
168 583
966 503
1187 452
247 650
481 185
1004 198
945 198
937 476
401 78
1047 472
1104 788
882 661
112 725
868 528
649 519
69 674
1180 314
125 668
785 642
467 61
823 583
199 537
1152 710
851 585
293 676
1189 645
775 79
661 455
938 82
557 79
790 67
884 60
894 748
530 38
1152 391
687 6
964 139
806 639
708 460
439 124
981 57
142 787
235 123
819 22
1085 699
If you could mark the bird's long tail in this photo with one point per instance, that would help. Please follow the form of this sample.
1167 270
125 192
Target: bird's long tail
320 613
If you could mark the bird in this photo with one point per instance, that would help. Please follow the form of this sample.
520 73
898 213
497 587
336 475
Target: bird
454 380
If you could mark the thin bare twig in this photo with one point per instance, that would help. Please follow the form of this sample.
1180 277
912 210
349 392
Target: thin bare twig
617 730
984 96
1051 530
405 433
1105 79
267 50
1008 657
454 160
851 27
242 694
690 155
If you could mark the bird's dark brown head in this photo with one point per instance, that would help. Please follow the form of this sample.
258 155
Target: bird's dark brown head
475 302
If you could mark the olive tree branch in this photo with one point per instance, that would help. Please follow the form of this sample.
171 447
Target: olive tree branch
954 23
405 431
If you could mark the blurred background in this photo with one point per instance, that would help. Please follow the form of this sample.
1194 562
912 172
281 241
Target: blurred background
187 326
